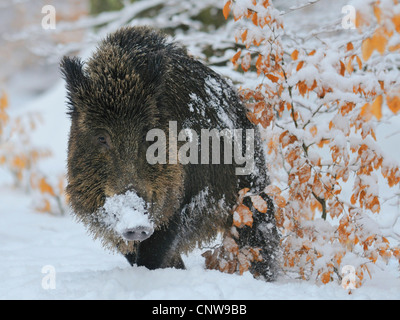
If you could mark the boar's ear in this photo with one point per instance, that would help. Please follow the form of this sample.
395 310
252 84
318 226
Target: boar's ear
154 70
76 81
72 71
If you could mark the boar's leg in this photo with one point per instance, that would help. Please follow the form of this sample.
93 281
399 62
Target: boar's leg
159 250
131 257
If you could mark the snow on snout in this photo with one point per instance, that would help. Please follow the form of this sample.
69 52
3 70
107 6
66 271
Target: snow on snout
125 212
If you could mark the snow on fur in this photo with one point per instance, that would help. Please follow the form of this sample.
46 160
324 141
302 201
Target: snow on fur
125 211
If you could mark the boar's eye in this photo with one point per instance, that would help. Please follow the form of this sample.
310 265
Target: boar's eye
102 139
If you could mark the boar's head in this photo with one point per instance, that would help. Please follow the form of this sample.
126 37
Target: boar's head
114 100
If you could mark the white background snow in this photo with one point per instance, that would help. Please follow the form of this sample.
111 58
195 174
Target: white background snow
53 257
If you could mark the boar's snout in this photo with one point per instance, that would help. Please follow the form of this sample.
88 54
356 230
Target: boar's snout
138 233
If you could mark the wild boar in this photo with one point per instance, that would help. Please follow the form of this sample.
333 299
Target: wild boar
159 147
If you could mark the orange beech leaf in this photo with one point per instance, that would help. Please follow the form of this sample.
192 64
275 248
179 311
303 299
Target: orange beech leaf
286 138
301 85
349 46
326 277
3 106
304 173
257 41
272 78
314 85
393 103
396 253
378 13
242 194
211 260
349 66
244 263
3 101
385 240
300 65
259 64
246 62
295 55
20 162
230 245
367 49
374 205
338 258
343 68
359 62
272 146
312 53
379 41
318 187
227 9
360 20
366 111
44 187
353 199
254 19
346 108
314 131
322 143
376 107
280 201
259 203
236 57
315 206
253 118
373 256
242 216
272 190
244 35
266 4
396 22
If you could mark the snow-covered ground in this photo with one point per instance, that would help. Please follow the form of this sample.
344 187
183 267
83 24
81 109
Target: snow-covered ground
50 257
35 247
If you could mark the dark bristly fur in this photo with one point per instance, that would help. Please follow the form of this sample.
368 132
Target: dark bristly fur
136 81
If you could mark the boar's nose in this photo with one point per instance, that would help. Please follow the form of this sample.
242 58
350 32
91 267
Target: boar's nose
138 233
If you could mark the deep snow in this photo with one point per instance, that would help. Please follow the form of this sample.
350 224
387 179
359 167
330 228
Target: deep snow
49 257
